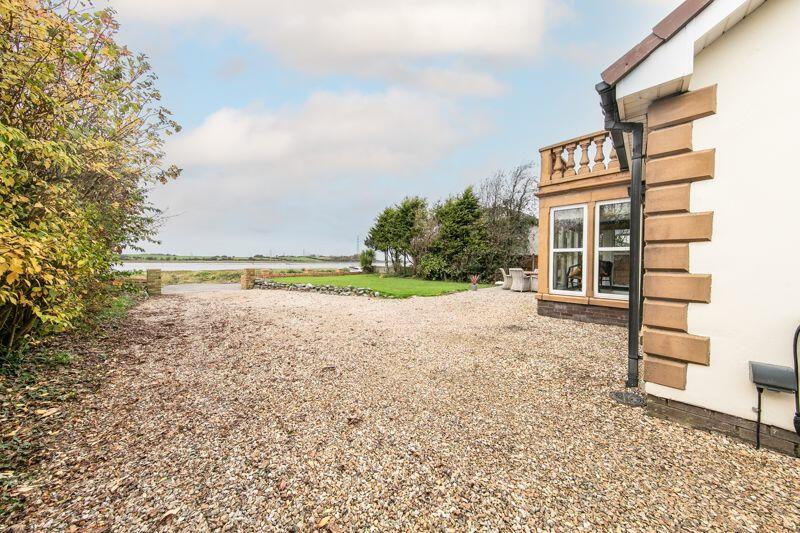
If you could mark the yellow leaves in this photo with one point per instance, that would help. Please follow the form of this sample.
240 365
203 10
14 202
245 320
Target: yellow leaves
15 266
34 267
74 189
45 413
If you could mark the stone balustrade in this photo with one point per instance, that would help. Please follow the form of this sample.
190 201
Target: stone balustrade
582 157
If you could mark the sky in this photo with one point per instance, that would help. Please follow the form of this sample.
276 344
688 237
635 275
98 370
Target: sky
303 119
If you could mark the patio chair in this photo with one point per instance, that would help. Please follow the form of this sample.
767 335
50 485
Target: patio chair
574 276
520 282
506 279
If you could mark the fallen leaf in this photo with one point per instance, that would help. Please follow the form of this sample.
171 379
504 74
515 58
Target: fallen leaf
324 522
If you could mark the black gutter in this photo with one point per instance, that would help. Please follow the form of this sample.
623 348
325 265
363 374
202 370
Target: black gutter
608 102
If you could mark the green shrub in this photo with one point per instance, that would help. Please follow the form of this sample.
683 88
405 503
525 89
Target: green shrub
434 267
366 259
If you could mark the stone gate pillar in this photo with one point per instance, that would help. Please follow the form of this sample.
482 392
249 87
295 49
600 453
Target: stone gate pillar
153 283
247 278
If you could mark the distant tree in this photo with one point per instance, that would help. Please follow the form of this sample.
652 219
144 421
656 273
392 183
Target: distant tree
468 234
508 201
366 258
409 215
426 231
460 237
380 234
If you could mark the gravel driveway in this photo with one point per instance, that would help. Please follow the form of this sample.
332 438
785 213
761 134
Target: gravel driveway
274 410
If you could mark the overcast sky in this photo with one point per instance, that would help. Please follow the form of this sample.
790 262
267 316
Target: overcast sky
303 118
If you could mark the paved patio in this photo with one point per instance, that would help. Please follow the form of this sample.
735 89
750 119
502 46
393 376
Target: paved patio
275 410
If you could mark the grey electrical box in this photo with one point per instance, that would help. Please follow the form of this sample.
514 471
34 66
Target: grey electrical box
773 377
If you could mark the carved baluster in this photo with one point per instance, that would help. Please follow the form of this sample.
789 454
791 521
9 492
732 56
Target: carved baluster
570 171
599 156
558 165
613 162
583 166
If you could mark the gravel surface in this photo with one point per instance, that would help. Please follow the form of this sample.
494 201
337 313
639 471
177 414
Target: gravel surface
275 410
185 288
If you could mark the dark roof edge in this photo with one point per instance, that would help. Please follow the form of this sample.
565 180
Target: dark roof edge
662 32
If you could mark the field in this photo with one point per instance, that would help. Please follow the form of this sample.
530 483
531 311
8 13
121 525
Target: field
175 277
388 286
132 258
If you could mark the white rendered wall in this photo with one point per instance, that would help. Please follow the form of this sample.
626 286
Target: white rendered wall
754 254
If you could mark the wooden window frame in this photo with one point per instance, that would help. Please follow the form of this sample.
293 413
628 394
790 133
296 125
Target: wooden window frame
598 250
583 250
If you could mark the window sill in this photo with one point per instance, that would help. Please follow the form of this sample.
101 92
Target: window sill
583 300
609 302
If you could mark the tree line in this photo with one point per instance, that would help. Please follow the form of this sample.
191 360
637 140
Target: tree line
81 136
472 233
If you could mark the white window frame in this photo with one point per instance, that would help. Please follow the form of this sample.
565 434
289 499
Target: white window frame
551 283
598 250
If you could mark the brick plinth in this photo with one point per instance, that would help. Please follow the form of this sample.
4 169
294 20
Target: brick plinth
597 314
772 437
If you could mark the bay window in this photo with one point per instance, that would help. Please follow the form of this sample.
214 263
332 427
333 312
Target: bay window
612 263
568 250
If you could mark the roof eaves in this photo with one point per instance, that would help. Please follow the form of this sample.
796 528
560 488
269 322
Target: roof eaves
662 32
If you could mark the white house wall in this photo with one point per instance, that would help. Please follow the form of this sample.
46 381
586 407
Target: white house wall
754 253
670 66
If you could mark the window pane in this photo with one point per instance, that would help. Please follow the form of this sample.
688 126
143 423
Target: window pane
615 225
613 273
568 228
568 271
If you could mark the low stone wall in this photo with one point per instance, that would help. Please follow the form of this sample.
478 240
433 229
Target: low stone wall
595 314
307 287
772 437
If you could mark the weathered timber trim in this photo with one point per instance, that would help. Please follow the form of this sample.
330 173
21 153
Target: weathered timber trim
665 372
667 257
677 345
674 286
670 141
683 108
670 315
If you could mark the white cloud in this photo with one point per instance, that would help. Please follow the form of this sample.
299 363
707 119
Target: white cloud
309 173
458 81
410 38
331 134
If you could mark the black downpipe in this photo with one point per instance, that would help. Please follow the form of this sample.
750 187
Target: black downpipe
608 102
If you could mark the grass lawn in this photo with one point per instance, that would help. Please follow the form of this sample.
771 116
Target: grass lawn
387 286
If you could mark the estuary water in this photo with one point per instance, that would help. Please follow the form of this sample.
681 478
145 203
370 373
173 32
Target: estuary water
231 265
